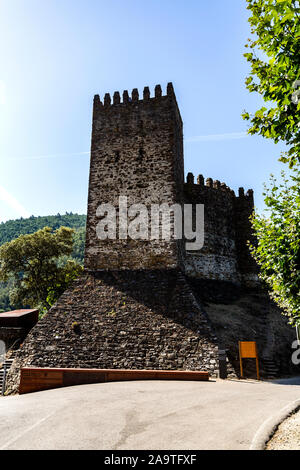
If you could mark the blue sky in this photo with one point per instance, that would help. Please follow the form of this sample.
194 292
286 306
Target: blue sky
56 54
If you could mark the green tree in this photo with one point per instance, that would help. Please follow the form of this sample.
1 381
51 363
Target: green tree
275 68
278 243
38 265
4 297
14 228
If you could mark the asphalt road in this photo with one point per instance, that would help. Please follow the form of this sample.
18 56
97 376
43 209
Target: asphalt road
147 415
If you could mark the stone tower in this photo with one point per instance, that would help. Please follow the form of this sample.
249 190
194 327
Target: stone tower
137 152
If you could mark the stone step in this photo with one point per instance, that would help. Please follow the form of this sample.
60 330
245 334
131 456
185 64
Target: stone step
1 380
7 364
270 368
269 364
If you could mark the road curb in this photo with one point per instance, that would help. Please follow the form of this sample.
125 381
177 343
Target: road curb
268 428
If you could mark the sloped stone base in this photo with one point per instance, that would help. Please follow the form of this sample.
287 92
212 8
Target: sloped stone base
122 320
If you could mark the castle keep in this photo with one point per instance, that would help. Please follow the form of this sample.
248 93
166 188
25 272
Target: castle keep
140 304
137 151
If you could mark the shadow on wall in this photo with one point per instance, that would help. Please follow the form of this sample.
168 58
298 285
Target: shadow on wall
240 314
164 292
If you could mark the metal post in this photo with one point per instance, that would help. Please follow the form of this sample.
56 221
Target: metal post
222 364
241 361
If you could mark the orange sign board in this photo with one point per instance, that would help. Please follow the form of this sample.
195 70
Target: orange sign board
248 349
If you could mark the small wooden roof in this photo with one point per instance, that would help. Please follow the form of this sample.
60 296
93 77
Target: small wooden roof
17 313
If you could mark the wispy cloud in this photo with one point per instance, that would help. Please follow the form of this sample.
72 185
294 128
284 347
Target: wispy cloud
197 138
217 137
12 202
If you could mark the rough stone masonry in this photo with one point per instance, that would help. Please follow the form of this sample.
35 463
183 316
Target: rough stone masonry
134 306
137 151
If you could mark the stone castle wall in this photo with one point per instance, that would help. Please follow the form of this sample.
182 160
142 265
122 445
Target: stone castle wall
13 336
136 152
244 206
225 255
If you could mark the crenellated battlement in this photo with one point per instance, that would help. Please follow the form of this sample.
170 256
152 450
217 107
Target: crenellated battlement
134 98
216 184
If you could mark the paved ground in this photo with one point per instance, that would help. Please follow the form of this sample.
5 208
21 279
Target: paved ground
143 415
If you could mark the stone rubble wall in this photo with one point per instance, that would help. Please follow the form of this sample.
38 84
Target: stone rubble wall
13 336
124 319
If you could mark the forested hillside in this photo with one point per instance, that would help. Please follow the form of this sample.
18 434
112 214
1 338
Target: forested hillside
14 228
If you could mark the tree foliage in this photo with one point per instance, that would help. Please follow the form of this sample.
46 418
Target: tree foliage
278 243
14 228
275 59
39 266
79 245
5 304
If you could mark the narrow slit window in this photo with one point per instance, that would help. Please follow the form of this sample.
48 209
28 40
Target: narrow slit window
141 154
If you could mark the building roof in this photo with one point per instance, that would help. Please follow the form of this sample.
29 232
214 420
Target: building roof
17 313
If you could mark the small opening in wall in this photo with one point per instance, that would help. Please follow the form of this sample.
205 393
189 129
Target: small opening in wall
141 154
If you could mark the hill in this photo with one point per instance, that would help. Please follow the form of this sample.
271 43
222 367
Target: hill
14 228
